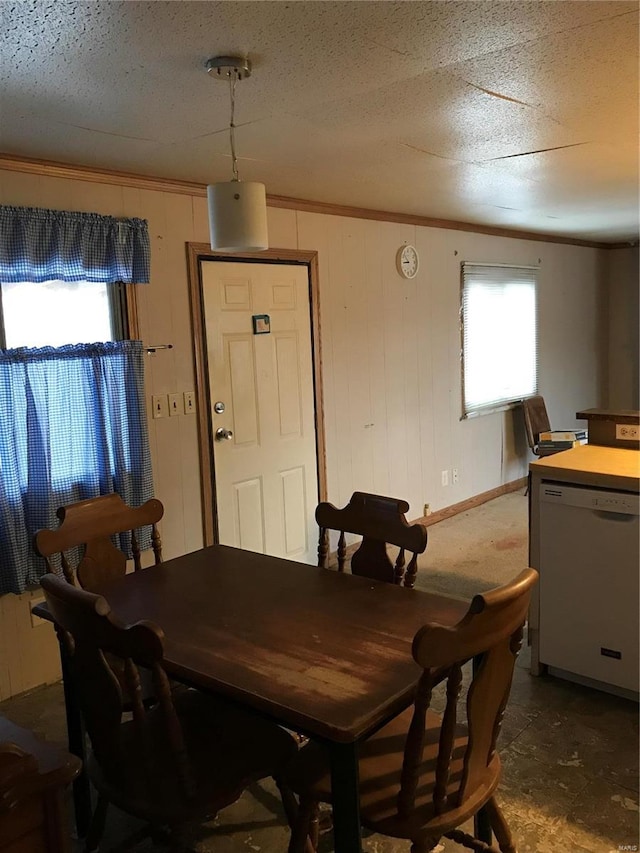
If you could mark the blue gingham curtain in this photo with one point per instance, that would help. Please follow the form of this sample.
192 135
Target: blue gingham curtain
56 245
72 426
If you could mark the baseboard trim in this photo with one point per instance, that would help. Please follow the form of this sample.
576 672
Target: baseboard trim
470 503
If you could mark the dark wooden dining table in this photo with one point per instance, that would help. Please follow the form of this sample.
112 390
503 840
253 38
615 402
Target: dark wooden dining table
323 653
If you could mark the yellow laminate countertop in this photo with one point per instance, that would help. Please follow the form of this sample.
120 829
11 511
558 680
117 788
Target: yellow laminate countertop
592 465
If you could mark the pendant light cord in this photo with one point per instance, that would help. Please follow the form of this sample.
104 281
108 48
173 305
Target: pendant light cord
233 78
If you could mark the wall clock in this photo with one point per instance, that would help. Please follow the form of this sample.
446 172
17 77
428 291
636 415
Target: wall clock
407 261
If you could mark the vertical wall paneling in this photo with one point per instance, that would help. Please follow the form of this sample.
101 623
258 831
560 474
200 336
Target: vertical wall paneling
514 445
161 366
96 198
336 310
58 193
178 217
5 663
377 277
200 219
446 271
430 275
395 292
28 654
354 362
412 329
282 229
24 190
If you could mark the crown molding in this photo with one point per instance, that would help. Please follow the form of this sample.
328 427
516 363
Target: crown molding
94 174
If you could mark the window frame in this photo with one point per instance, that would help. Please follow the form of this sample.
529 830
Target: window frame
505 404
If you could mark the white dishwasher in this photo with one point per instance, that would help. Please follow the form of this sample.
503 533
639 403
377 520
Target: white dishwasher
589 590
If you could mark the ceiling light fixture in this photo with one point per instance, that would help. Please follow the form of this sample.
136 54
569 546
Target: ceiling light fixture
237 209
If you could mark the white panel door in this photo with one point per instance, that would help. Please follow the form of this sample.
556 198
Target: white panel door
266 471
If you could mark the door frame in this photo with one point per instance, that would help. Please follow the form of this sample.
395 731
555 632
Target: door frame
197 252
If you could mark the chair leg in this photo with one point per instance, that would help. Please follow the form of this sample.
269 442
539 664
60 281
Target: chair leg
300 840
289 802
425 845
481 822
500 827
96 827
291 810
314 826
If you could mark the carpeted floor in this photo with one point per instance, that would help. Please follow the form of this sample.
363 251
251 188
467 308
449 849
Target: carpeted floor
569 753
478 549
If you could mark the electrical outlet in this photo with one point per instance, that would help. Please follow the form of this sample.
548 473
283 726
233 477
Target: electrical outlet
160 406
627 432
175 405
427 510
36 621
445 478
454 476
189 402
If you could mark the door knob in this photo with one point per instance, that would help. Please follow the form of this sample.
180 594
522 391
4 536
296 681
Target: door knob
223 434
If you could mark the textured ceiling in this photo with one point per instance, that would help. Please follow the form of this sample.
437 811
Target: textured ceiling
512 114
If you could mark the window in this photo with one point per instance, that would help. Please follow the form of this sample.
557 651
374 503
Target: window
54 313
72 410
499 336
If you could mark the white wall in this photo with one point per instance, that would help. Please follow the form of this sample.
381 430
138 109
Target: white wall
391 357
391 369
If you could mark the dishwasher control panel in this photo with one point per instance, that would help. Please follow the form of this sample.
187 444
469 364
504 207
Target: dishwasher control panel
616 503
588 498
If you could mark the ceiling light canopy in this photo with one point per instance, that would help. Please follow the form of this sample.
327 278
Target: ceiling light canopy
237 209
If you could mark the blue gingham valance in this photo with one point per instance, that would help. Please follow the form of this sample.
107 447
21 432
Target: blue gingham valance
58 245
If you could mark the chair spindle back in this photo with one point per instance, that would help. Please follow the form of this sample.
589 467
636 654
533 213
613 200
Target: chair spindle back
92 524
380 521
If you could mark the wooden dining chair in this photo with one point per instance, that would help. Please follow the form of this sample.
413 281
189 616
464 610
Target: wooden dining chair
381 522
172 765
87 530
91 525
423 774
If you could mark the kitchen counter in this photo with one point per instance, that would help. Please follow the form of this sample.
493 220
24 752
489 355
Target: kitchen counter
592 465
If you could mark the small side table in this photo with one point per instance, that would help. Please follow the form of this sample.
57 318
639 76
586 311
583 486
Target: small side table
33 776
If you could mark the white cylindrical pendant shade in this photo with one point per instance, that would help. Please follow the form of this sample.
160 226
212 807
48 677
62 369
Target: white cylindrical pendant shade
238 217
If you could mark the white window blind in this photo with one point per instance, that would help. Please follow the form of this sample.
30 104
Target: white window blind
499 336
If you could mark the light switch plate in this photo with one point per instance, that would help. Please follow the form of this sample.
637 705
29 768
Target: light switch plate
175 405
160 406
189 402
